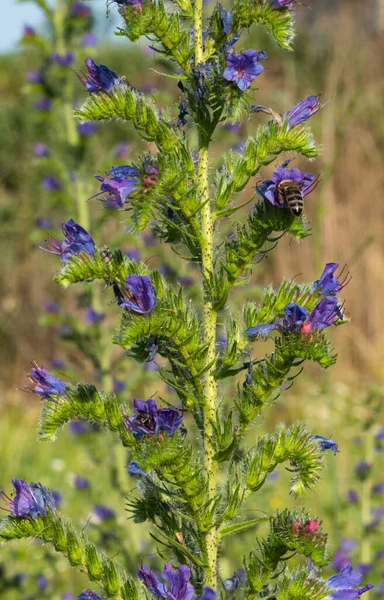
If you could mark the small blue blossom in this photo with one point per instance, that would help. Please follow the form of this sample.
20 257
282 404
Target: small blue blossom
43 104
77 240
92 316
79 9
40 150
177 586
330 284
282 3
29 32
78 427
303 111
117 185
99 78
89 40
81 483
87 128
31 500
104 513
119 386
169 420
232 583
352 497
43 223
35 77
88 595
325 443
268 189
52 183
134 470
57 498
41 582
378 488
45 383
243 68
345 585
149 420
139 295
64 60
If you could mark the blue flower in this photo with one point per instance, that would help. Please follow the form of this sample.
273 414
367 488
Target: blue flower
41 582
81 483
149 420
88 595
79 9
77 240
119 386
31 500
282 3
177 586
134 470
52 183
139 295
325 443
268 189
89 40
118 186
232 583
104 513
345 585
99 78
87 128
35 77
44 104
329 283
40 150
303 111
169 420
92 316
45 383
65 60
244 68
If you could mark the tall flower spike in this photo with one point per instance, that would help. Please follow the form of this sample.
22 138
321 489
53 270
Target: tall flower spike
98 78
30 500
139 295
45 383
243 68
77 240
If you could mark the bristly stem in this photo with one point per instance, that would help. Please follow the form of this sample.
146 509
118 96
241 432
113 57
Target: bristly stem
210 317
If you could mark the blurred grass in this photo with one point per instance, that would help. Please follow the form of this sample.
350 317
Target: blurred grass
339 52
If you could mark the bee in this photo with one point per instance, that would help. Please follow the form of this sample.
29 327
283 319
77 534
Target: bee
289 192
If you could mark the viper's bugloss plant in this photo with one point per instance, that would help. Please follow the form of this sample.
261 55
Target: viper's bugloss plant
194 469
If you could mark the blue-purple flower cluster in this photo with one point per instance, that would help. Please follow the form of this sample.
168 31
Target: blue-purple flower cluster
176 586
150 420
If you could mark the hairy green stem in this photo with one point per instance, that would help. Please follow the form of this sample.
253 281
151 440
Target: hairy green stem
210 317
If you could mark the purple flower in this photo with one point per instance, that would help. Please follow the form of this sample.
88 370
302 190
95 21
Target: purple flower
380 434
145 421
244 68
41 582
269 188
121 150
43 223
177 586
119 386
30 500
40 150
296 319
118 186
67 596
134 470
34 77
378 488
57 498
208 594
88 595
65 60
104 513
169 420
92 316
45 383
345 585
44 104
329 283
80 10
57 363
86 128
98 78
52 308
282 3
232 583
78 427
81 483
52 183
325 443
29 32
77 240
89 40
303 111
353 497
362 469
139 295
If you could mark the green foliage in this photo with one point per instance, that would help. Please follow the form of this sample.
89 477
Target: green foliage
300 584
80 552
128 104
168 29
294 445
84 402
278 23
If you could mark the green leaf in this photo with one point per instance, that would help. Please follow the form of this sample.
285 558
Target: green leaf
243 526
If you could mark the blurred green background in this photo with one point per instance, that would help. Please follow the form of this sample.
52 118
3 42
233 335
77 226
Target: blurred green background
339 51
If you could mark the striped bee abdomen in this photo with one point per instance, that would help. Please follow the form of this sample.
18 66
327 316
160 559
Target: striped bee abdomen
289 193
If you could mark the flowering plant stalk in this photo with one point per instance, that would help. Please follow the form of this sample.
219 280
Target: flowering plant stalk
176 192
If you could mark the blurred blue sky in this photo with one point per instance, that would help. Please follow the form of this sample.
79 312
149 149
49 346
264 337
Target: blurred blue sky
17 14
